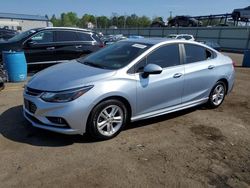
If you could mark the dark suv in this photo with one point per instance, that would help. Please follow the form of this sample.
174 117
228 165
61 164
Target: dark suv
53 45
184 21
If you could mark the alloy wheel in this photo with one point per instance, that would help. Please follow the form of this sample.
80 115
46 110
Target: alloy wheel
218 94
110 120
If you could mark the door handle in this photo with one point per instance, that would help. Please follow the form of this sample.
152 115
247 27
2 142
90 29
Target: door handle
50 48
211 67
79 46
177 75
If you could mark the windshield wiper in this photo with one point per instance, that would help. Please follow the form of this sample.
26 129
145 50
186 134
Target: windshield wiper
94 65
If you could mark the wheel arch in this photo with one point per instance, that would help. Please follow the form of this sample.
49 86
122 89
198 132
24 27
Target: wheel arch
117 97
224 80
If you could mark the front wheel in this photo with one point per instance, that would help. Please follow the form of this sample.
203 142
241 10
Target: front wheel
217 95
107 119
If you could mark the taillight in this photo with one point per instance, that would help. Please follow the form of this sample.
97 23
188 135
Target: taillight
101 45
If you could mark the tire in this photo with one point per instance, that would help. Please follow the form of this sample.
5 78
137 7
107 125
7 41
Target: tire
103 124
217 95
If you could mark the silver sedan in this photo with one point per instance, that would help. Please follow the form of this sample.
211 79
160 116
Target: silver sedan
127 81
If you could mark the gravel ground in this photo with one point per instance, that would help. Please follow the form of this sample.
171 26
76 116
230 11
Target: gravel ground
192 148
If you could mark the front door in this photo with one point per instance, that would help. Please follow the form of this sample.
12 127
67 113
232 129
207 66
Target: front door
67 45
40 48
161 91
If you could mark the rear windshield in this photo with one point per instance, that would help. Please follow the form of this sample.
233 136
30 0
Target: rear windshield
115 56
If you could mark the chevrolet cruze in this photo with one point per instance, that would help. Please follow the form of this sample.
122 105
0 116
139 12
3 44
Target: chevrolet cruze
128 81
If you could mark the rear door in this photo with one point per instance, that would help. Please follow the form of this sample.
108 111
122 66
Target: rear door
40 47
164 90
66 45
71 44
200 72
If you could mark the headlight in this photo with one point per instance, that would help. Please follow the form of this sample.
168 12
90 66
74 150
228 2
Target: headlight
65 96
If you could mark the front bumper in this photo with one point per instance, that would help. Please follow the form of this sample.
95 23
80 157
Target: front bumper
68 131
74 113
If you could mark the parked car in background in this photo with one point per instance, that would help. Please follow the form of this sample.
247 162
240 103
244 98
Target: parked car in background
181 36
158 24
184 21
110 39
135 37
212 44
53 45
6 34
130 80
243 14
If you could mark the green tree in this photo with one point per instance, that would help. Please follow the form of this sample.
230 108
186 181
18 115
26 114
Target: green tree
102 22
121 21
73 18
56 22
65 20
158 19
132 21
144 21
85 19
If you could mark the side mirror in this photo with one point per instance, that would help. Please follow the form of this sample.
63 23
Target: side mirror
151 69
30 43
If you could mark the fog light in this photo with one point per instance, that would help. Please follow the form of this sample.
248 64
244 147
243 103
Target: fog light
57 120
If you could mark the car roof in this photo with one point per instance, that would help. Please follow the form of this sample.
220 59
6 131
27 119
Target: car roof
64 28
156 40
153 40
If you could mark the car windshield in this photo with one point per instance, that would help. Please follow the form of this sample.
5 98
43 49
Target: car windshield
115 56
22 35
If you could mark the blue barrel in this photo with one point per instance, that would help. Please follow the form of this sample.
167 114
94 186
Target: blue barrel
16 66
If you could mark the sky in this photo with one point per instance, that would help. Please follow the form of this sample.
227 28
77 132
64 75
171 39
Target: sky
150 8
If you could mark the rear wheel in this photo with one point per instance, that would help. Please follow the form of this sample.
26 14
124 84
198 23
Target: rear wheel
107 119
217 95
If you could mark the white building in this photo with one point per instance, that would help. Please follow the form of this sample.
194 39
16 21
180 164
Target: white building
23 22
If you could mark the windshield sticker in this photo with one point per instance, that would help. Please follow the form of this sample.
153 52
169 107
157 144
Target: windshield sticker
139 46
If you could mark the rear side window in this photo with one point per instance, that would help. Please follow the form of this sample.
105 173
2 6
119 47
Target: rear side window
195 53
66 36
165 56
84 36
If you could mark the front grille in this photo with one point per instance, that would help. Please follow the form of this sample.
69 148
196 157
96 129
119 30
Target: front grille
30 106
33 92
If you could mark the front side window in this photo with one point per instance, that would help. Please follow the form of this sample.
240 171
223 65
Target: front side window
195 53
166 56
66 36
43 37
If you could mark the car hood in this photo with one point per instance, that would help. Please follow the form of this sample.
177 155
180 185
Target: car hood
67 76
